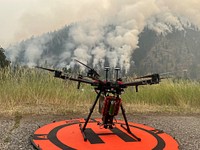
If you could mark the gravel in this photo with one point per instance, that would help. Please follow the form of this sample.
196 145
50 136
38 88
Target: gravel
15 134
185 129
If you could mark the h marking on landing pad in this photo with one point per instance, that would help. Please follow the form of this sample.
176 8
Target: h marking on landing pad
94 138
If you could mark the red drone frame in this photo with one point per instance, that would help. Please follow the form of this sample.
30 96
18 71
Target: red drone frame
108 94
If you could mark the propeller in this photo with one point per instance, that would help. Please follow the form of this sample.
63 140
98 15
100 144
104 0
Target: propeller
51 70
148 76
161 74
91 73
57 72
60 74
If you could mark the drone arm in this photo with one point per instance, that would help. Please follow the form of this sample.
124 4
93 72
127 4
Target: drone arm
76 79
155 79
152 79
59 74
136 83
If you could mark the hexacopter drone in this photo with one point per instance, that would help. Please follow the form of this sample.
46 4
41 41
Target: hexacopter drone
108 95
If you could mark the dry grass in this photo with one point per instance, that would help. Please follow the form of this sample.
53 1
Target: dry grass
178 96
32 91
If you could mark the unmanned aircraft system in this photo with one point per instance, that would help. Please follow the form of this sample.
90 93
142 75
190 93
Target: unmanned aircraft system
106 131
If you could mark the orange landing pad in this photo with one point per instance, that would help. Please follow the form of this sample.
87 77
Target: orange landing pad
66 135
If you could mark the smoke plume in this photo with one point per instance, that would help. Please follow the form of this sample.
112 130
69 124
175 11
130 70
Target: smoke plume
109 30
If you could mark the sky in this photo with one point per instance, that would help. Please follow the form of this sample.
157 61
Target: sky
91 34
20 19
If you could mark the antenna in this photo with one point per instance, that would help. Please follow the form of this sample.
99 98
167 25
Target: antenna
106 69
117 73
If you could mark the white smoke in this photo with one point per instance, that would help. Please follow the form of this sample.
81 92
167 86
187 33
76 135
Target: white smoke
99 54
110 29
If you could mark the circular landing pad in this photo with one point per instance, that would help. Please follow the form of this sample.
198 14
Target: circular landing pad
67 135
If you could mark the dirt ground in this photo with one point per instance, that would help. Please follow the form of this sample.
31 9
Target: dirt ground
15 131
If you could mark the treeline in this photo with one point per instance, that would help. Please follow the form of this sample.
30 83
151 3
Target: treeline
175 52
3 61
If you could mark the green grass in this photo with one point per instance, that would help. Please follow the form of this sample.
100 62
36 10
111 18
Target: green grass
33 91
168 96
36 91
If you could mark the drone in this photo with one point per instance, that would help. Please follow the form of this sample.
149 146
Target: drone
108 94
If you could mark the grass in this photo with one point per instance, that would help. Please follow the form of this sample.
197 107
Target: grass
181 96
33 91
17 119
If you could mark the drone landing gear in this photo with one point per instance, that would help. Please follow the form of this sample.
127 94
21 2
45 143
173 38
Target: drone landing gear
110 126
127 128
88 118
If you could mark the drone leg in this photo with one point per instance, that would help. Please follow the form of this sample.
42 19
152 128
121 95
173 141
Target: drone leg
88 118
127 128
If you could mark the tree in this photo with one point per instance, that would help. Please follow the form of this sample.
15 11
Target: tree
3 61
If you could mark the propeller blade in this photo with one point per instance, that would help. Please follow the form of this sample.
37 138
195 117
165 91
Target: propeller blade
57 73
52 70
147 76
173 72
91 71
83 64
165 77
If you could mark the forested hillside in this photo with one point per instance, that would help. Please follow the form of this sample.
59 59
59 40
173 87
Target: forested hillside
177 50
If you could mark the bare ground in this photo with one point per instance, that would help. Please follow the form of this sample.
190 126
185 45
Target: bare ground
16 131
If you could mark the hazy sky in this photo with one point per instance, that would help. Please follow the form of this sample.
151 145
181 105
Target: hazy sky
20 19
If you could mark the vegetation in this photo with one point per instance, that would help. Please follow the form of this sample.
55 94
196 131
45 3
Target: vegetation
176 51
3 61
32 91
178 96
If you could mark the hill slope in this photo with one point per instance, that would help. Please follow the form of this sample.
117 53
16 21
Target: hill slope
177 50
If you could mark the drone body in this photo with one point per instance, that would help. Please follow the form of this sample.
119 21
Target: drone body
108 95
